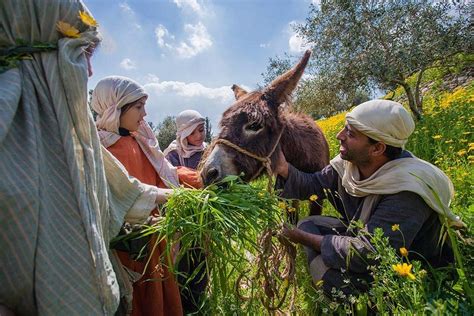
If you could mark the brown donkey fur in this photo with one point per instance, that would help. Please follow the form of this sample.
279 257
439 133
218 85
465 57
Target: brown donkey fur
256 120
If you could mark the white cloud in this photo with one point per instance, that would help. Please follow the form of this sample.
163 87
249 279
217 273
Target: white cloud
197 41
316 2
191 90
171 97
190 4
127 10
264 45
128 64
162 34
295 42
151 78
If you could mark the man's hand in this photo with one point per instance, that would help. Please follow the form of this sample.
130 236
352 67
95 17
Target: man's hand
281 165
299 236
290 232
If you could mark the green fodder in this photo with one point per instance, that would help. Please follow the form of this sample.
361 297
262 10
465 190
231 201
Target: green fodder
251 268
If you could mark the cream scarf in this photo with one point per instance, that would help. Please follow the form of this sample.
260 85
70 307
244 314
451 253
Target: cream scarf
109 96
404 174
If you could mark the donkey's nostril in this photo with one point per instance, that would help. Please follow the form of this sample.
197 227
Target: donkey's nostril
211 175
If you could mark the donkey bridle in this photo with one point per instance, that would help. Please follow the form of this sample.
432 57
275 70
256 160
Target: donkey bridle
266 161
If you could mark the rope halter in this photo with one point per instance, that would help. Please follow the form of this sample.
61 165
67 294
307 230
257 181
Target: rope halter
266 161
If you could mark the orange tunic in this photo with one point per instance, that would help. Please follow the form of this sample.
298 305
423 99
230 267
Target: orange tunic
150 297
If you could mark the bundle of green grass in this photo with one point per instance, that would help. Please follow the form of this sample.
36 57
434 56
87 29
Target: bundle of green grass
235 226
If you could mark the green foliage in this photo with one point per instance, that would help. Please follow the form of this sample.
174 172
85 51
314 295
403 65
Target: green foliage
166 131
208 128
382 43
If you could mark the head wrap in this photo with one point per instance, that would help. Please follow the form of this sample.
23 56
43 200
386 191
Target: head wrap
382 120
186 122
109 96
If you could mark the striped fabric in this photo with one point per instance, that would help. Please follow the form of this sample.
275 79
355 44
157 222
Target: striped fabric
62 196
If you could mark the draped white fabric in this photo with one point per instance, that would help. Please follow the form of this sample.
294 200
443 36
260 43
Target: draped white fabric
62 196
404 174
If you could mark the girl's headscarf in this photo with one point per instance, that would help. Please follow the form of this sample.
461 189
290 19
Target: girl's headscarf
108 98
186 122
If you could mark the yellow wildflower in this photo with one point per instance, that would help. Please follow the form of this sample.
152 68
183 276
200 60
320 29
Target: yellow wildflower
404 270
282 205
291 209
87 19
471 146
462 152
395 227
67 29
449 141
404 252
313 197
437 137
261 194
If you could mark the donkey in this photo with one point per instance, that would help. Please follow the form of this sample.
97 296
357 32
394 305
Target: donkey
258 125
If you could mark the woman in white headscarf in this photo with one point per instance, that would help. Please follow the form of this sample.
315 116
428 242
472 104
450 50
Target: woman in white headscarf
189 145
120 104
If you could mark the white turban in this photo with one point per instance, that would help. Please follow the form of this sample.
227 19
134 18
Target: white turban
186 122
382 120
109 96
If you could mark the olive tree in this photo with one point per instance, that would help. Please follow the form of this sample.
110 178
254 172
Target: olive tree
383 43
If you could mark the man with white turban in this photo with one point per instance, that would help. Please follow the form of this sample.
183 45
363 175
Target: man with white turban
373 180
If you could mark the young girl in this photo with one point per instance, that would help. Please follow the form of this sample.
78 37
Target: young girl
187 151
120 104
189 145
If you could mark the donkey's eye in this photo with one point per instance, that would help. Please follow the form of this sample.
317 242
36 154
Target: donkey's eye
254 127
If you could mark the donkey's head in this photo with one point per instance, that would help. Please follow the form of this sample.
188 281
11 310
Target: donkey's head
254 124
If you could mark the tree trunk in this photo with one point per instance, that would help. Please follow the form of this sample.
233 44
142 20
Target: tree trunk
418 95
411 99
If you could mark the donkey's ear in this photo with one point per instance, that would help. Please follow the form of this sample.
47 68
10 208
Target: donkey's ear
281 88
238 91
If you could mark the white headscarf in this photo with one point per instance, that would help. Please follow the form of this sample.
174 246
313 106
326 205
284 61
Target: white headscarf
382 120
186 122
390 123
109 96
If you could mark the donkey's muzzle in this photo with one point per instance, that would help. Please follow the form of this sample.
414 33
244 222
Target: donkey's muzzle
210 175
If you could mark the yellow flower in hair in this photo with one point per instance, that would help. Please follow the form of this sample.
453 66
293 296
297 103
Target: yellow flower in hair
404 252
313 197
404 270
87 19
67 29
395 227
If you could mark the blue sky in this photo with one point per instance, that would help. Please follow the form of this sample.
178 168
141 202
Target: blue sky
187 53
